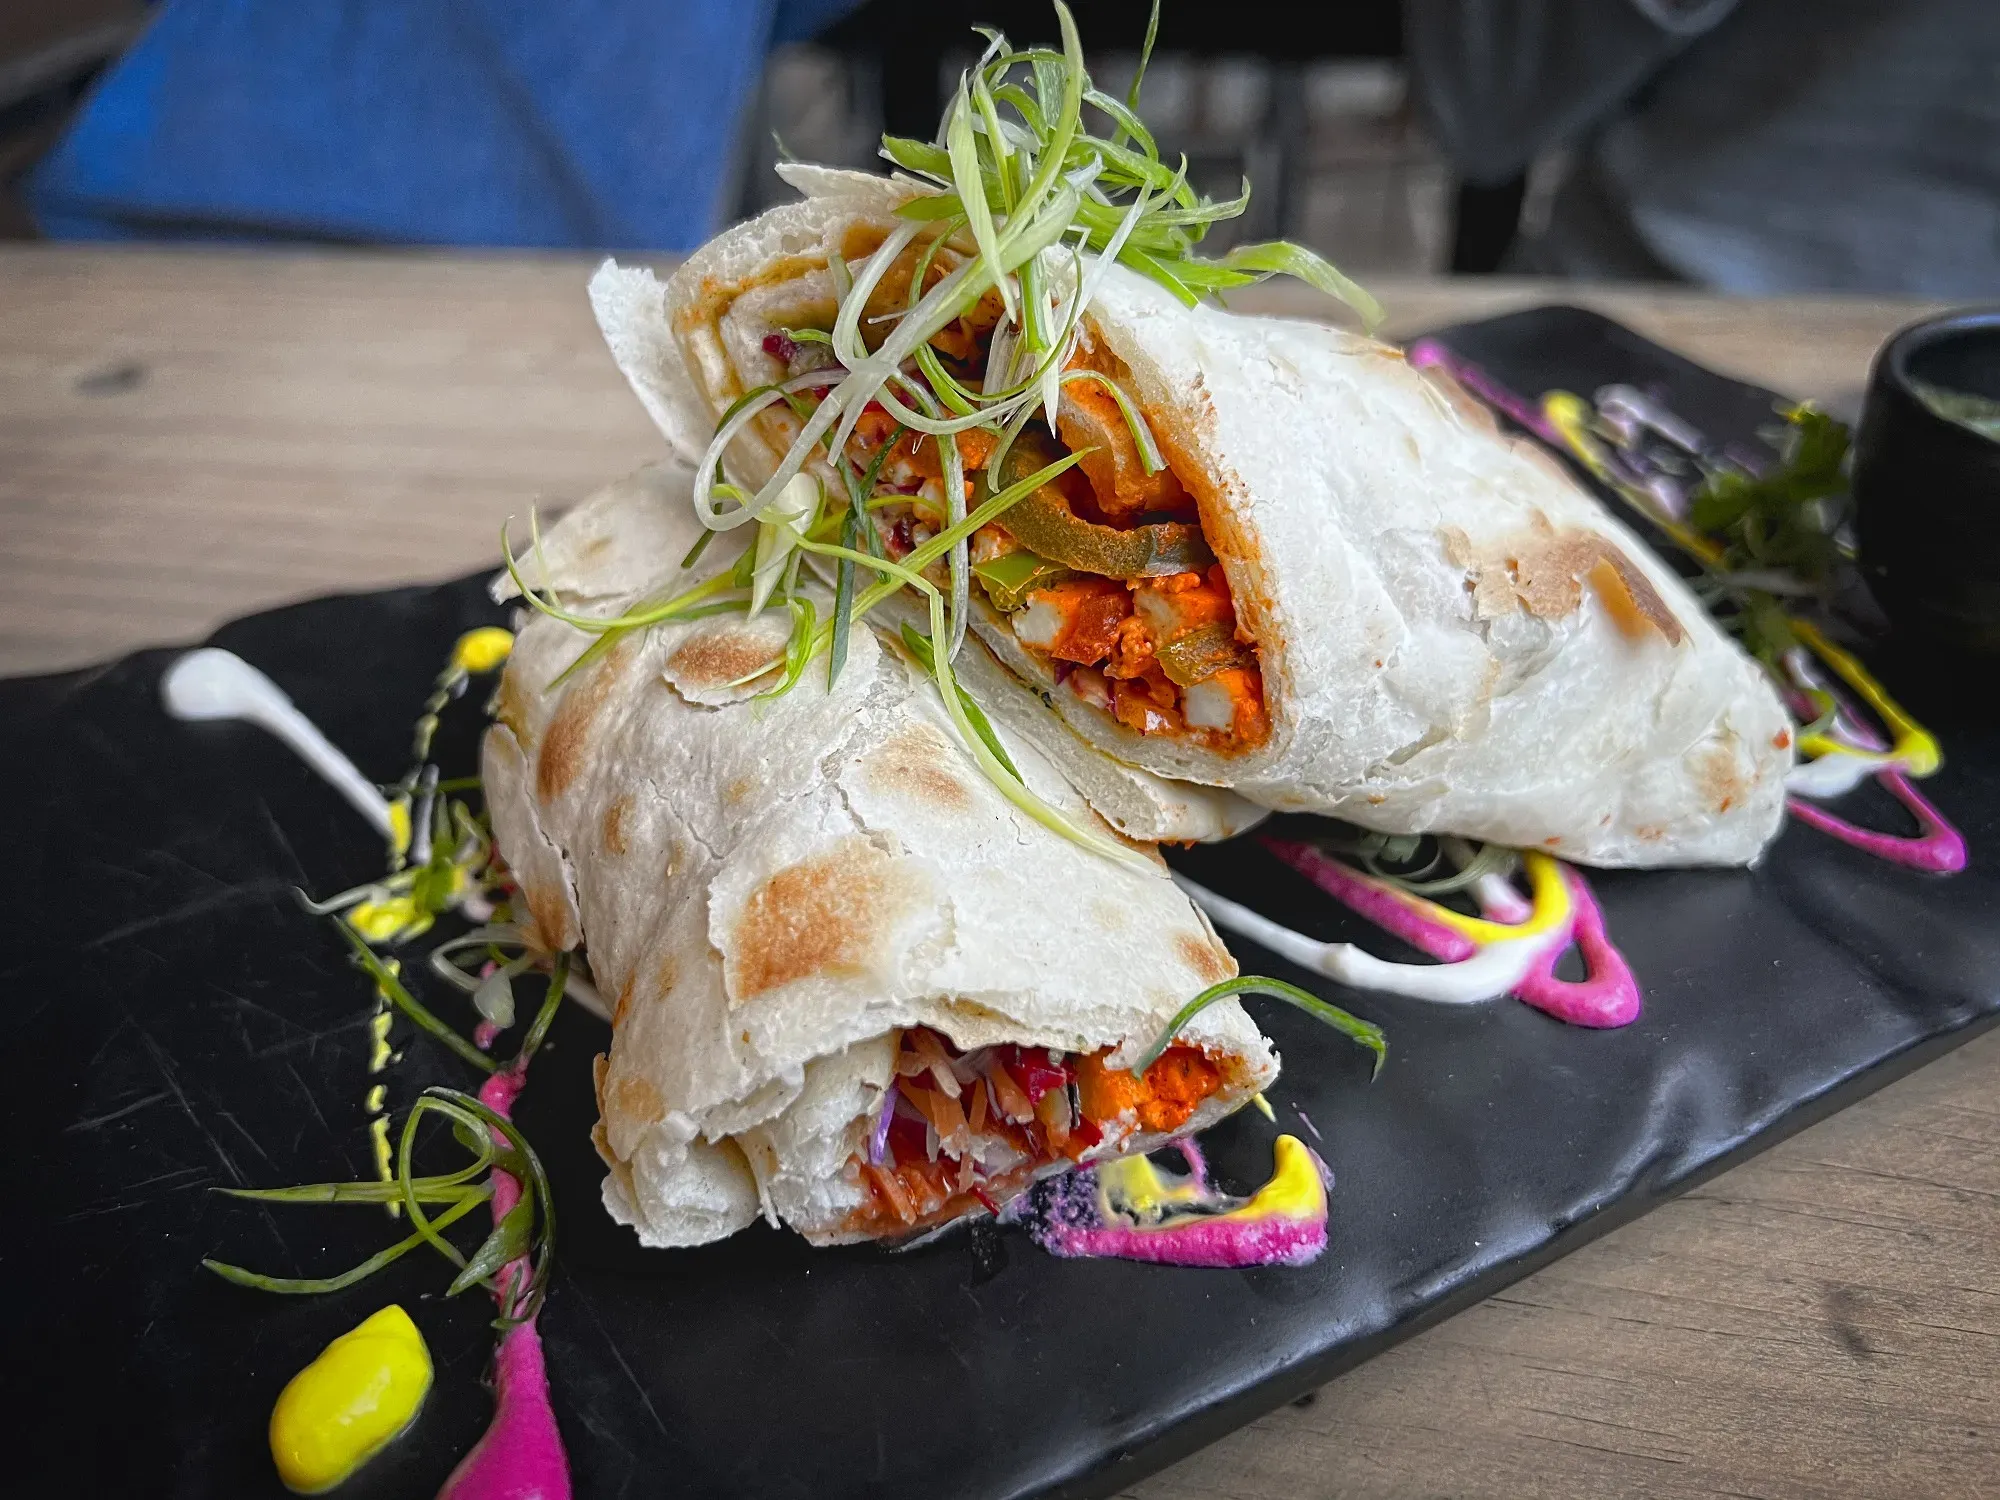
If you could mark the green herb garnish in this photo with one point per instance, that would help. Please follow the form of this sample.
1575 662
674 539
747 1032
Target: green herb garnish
1366 1033
496 1144
1036 184
1785 519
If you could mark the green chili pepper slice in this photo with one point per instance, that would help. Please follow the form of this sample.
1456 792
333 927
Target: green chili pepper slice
1045 525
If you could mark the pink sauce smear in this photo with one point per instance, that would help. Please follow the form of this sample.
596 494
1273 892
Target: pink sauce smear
521 1456
1608 997
1068 1216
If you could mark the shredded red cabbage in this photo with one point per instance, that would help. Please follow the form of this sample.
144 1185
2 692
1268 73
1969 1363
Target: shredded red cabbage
878 1142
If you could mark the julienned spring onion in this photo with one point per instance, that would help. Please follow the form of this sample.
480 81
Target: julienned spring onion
496 1144
1017 200
1365 1033
1403 860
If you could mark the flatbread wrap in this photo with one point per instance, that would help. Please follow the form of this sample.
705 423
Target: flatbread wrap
1288 562
853 988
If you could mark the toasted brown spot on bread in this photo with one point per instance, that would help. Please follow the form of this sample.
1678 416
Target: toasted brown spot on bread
1108 915
549 915
624 1001
564 747
720 655
636 1099
912 762
829 915
1719 776
599 1066
738 791
614 825
1544 572
1630 599
1207 958
668 975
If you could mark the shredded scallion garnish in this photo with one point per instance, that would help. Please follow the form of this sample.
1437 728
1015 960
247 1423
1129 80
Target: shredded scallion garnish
1366 1033
1036 184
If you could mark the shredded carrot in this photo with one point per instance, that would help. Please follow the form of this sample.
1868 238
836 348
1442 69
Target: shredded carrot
977 1119
886 1184
1009 1095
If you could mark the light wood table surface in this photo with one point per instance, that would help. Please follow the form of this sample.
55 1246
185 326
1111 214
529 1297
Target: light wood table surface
187 435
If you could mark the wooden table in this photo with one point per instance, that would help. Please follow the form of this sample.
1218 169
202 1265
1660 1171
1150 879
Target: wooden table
188 435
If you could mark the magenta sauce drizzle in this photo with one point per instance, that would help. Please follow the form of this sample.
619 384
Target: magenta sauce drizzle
1427 354
1366 899
1608 997
521 1455
1937 848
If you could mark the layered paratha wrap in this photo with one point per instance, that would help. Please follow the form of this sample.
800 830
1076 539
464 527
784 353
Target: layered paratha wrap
854 989
1287 562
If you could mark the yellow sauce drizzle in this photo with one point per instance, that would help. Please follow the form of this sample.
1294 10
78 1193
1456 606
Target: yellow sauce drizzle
1545 883
1130 1187
1915 751
347 1405
1295 1191
1132 1191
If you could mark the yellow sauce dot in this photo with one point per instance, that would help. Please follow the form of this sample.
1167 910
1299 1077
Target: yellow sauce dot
399 826
378 1057
389 920
482 650
344 1407
378 1131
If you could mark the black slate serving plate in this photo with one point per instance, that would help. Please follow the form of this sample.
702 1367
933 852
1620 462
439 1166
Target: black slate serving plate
175 1023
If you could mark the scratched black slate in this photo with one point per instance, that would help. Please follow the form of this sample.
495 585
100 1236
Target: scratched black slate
178 1024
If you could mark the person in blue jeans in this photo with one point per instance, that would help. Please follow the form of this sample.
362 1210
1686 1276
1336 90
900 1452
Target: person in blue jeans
583 123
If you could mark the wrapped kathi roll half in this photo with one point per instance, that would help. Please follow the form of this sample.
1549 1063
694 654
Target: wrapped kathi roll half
1286 561
855 988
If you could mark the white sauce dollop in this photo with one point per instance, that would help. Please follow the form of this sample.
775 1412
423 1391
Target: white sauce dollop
213 684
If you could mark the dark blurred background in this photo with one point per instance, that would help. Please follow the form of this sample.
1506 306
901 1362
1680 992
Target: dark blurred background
1748 145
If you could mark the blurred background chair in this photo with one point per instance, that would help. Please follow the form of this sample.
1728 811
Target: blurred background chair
50 51
231 120
1747 145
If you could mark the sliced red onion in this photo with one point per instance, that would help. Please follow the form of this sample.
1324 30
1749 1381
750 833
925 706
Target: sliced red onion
878 1141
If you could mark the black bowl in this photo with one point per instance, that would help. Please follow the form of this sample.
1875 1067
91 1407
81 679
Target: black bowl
1927 489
